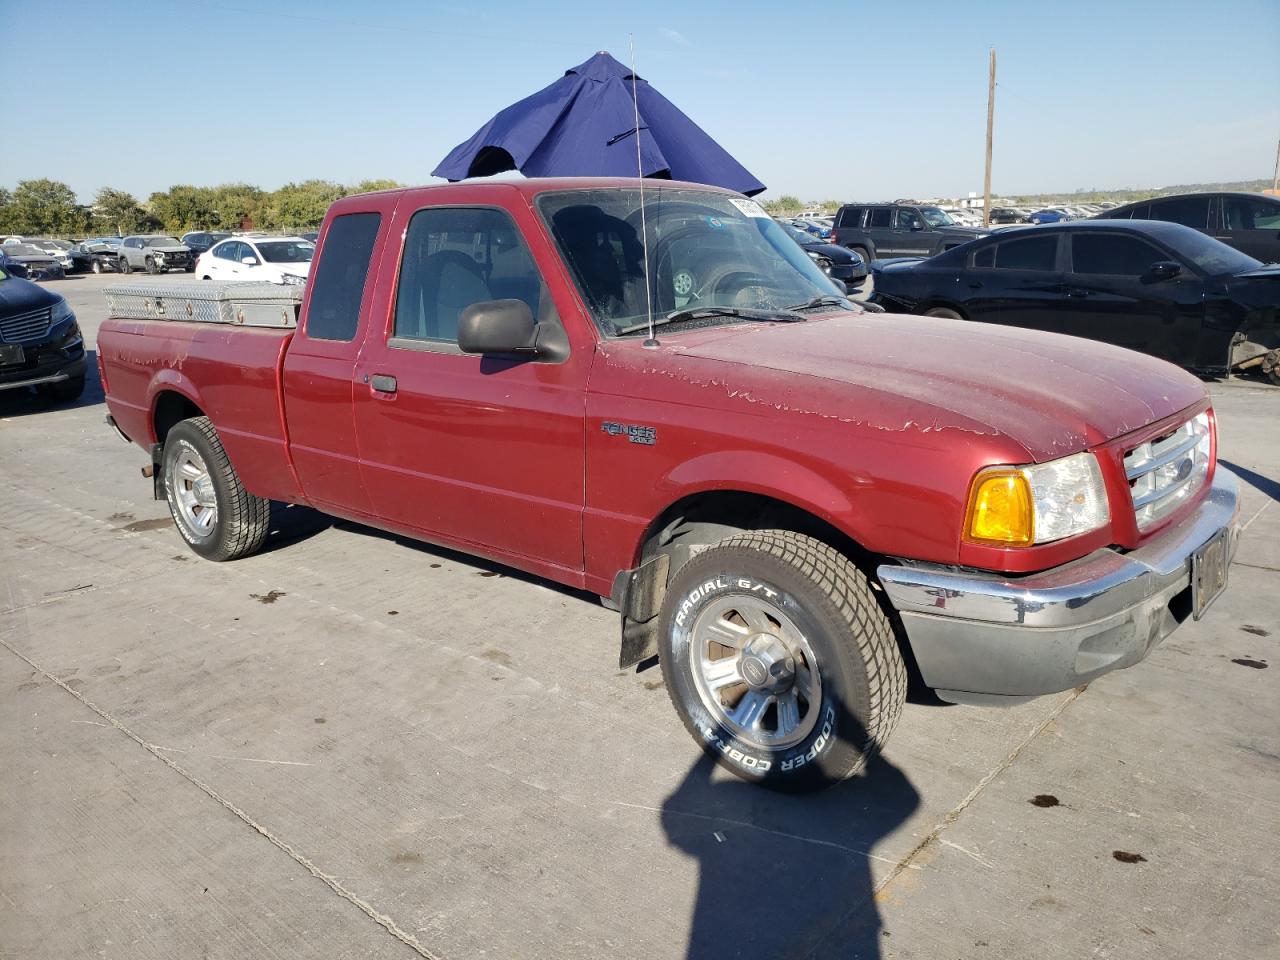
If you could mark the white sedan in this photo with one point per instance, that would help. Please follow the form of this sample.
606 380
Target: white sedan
261 259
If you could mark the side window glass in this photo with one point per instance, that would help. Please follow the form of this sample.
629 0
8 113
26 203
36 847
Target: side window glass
1244 213
1029 253
907 218
1112 254
455 257
1189 211
879 217
851 217
337 281
985 258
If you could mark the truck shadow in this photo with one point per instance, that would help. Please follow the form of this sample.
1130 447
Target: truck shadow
292 523
1262 484
786 875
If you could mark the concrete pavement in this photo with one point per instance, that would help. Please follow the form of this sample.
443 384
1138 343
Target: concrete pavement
356 746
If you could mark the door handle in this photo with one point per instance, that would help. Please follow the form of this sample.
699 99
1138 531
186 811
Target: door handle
1077 292
975 285
383 383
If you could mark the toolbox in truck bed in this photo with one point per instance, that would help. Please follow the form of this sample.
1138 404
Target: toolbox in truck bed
242 304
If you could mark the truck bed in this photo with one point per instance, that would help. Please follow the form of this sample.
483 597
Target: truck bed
154 369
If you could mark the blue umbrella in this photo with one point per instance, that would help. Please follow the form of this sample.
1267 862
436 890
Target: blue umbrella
584 125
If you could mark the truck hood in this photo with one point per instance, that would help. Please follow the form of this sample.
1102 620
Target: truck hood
1054 395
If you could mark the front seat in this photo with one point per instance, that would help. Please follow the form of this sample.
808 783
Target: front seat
451 282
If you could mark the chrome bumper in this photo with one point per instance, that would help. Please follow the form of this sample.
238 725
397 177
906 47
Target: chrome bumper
984 638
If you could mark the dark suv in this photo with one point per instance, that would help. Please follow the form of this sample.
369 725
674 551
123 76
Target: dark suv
881 230
1250 222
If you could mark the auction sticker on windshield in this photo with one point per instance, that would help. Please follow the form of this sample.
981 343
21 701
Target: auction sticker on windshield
749 207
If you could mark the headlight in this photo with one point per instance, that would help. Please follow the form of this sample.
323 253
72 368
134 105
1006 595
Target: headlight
292 279
158 254
61 313
1040 503
813 256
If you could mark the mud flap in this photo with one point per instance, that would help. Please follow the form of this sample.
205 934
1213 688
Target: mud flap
638 594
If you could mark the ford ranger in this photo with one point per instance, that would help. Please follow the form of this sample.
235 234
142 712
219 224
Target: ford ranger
793 503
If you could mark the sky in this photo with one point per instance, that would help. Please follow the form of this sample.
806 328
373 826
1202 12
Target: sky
825 100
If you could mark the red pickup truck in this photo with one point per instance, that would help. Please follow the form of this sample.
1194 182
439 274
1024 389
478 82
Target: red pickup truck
794 503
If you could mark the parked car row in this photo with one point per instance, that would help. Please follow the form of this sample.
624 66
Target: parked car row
1161 288
28 256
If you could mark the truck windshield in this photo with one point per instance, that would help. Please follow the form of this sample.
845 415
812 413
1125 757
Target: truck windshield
706 249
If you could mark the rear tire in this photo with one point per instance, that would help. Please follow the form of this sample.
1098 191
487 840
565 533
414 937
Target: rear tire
217 517
63 391
779 660
943 312
863 253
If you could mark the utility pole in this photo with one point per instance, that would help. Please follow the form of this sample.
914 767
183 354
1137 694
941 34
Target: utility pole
991 112
1275 180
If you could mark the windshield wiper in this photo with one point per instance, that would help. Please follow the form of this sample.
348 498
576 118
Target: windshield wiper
826 300
698 313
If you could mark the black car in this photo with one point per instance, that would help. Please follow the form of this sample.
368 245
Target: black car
1008 215
1250 222
1160 288
36 264
201 240
40 341
837 262
878 230
313 235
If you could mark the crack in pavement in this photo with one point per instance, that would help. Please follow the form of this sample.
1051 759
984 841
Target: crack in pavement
935 835
329 881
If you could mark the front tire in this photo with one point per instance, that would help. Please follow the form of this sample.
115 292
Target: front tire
97 266
125 266
779 660
217 517
150 265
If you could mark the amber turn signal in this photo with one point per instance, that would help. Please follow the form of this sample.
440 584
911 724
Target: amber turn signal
1000 510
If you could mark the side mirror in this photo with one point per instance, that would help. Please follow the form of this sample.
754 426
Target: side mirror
841 287
497 326
1163 270
249 261
916 225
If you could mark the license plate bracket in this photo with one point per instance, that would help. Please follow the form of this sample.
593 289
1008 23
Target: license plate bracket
1209 572
11 353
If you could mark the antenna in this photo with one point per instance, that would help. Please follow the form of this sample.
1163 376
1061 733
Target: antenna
651 341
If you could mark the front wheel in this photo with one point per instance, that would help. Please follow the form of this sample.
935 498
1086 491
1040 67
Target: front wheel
779 660
96 266
151 265
217 517
125 266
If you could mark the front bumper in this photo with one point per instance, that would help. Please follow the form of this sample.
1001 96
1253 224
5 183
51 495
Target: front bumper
984 638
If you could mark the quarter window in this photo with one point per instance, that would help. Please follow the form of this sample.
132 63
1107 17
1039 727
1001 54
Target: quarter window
1112 254
851 217
337 285
455 257
1028 253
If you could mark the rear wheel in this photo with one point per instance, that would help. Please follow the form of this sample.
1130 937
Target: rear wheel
217 517
779 661
862 252
943 312
1271 366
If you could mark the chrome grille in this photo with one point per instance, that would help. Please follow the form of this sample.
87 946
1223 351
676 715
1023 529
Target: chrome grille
24 326
1166 472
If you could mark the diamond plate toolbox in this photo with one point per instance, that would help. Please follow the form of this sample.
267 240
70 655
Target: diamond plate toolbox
239 304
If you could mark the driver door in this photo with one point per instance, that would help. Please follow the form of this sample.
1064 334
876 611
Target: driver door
481 451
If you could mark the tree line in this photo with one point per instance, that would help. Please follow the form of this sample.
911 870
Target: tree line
49 208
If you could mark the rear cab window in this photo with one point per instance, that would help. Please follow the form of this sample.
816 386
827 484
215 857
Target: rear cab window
338 281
